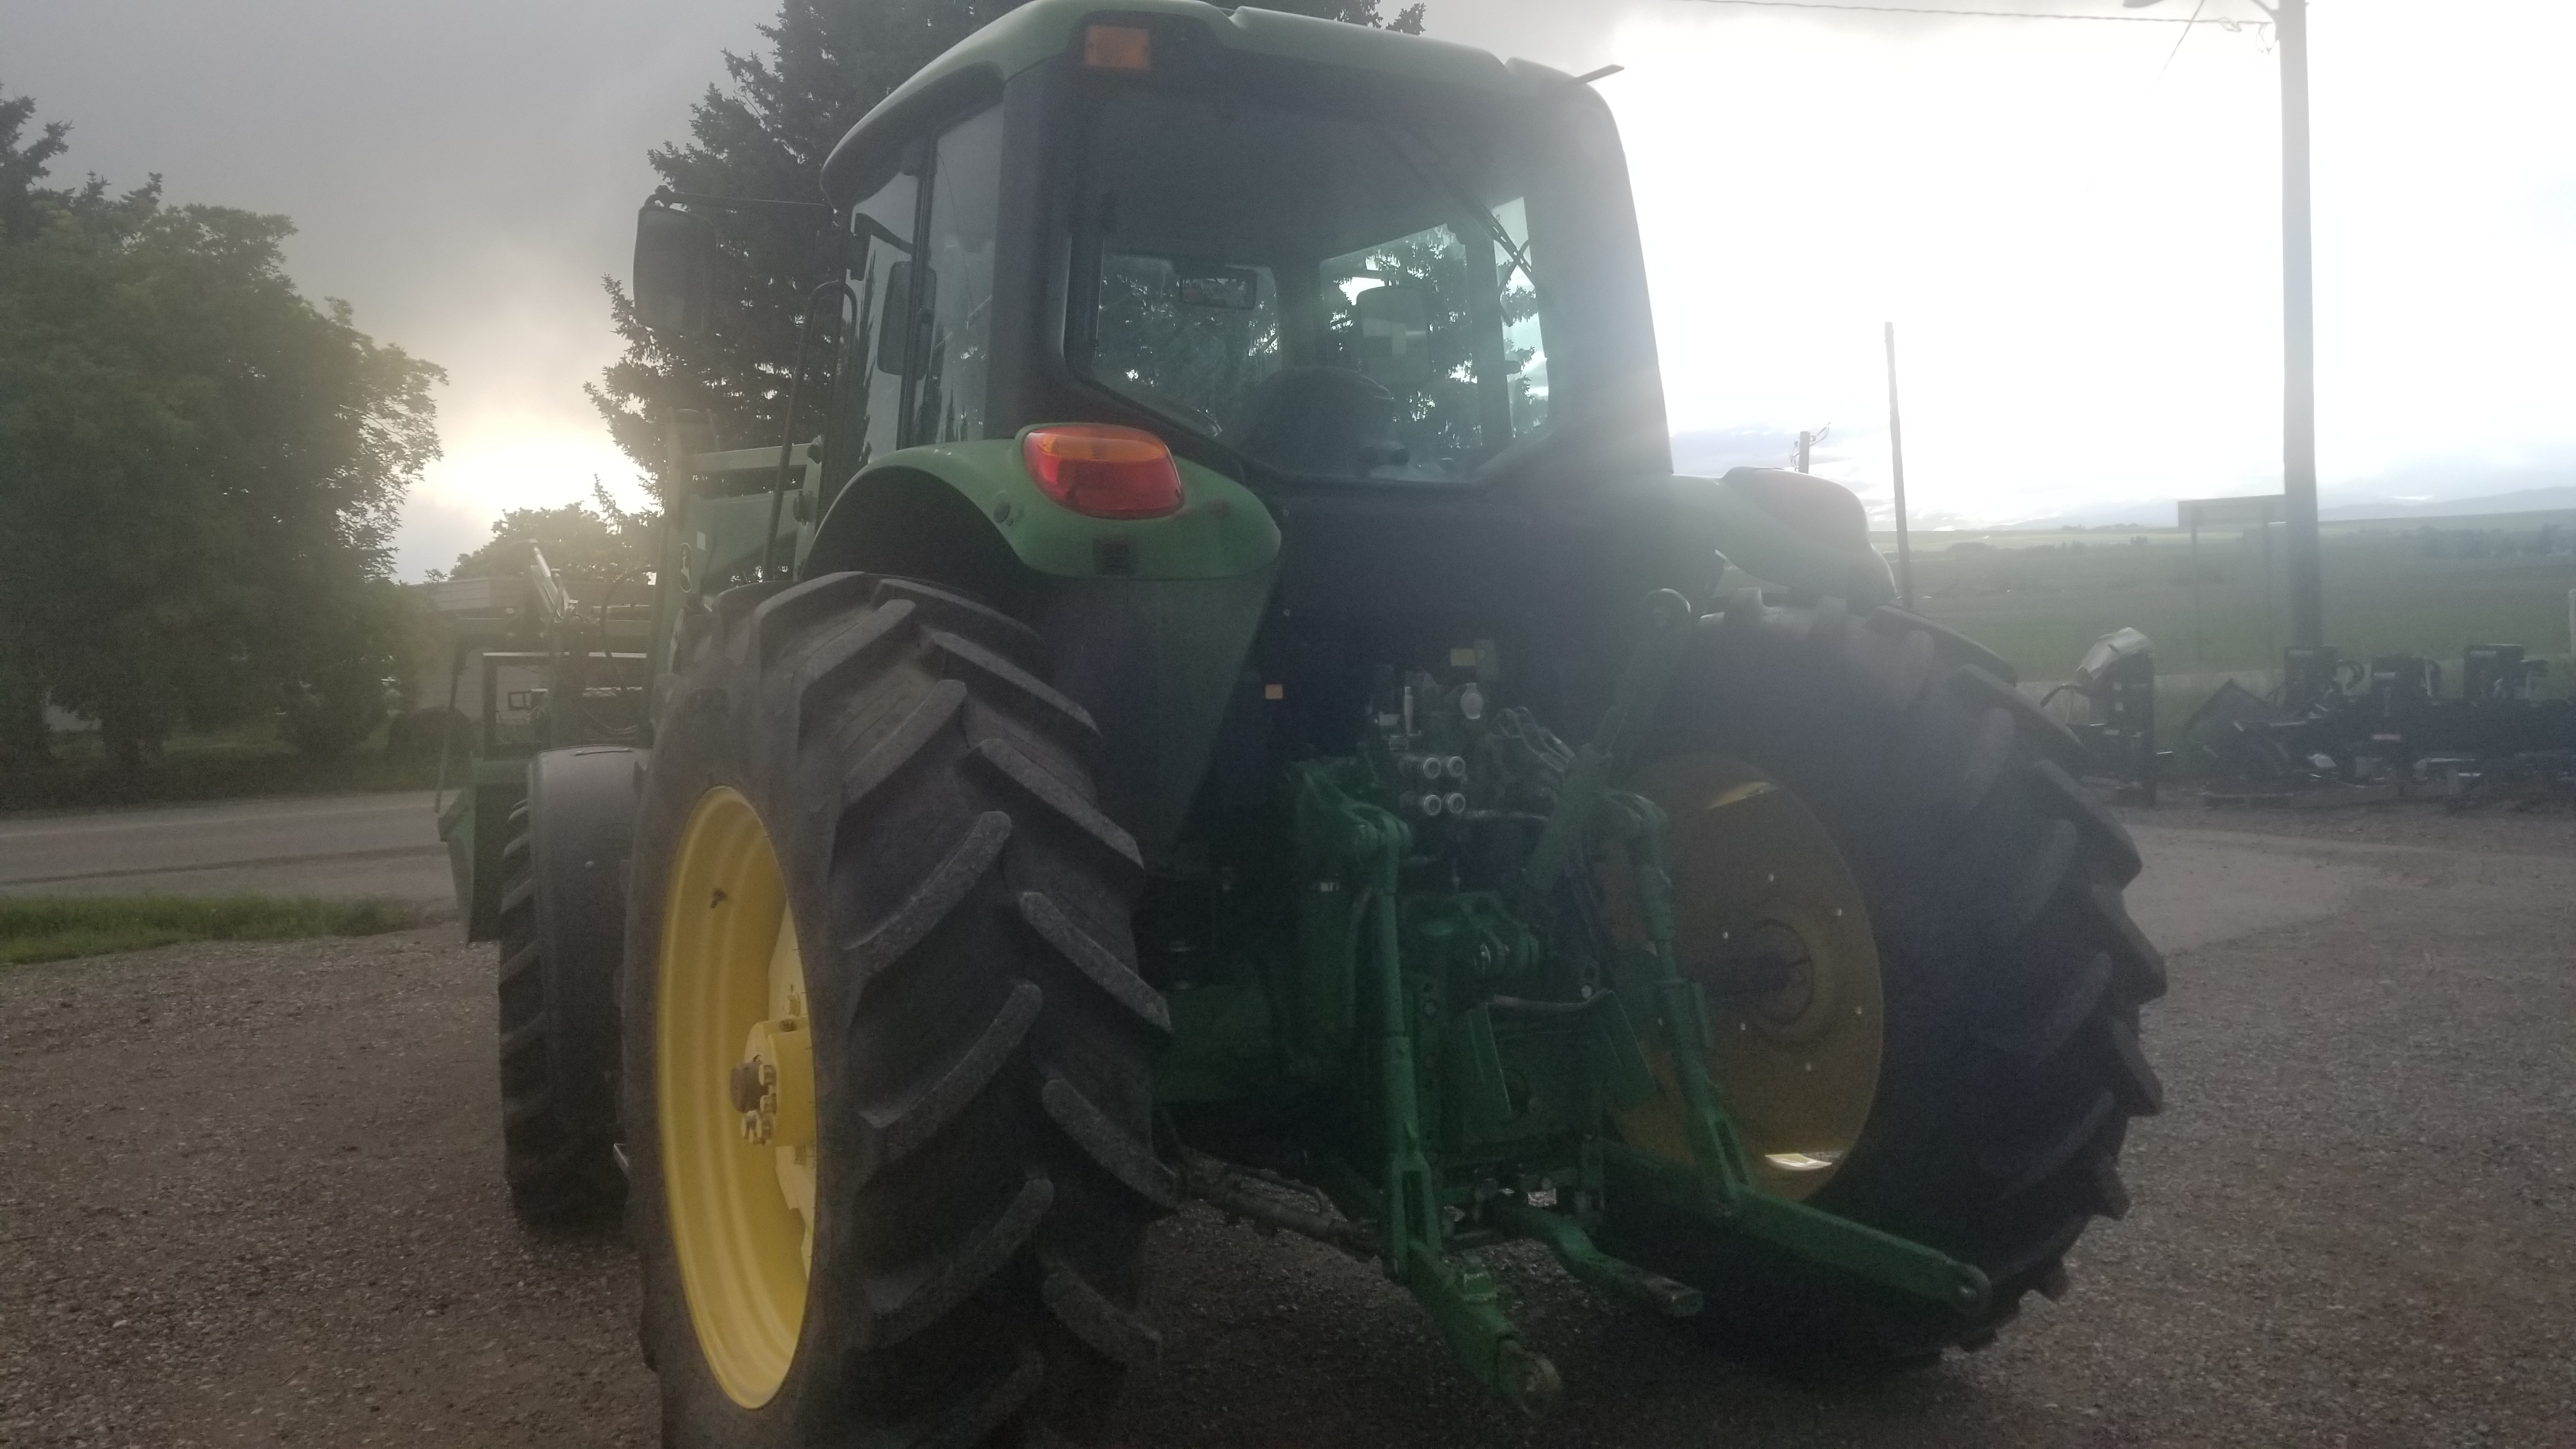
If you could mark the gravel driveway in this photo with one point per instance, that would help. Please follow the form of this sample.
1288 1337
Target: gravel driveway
249 1194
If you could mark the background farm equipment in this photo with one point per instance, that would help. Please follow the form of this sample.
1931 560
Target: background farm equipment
2358 731
2117 680
535 670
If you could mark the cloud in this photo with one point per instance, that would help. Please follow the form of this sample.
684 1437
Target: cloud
507 461
2081 253
1709 452
2079 248
436 528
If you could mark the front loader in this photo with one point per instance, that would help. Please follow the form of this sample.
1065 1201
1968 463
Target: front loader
1221 695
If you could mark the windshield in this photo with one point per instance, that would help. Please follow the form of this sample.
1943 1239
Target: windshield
1327 297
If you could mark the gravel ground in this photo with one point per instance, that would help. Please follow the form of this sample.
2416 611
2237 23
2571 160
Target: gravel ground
249 1195
2490 829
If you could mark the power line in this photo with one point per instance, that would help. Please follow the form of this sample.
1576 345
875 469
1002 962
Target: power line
1944 10
2179 39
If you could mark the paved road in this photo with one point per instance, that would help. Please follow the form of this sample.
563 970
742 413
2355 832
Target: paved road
331 846
272 1213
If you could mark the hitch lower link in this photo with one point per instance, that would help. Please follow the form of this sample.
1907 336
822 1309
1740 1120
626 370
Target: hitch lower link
1717 1184
1404 1202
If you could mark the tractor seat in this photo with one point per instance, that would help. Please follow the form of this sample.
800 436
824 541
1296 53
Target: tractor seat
1323 420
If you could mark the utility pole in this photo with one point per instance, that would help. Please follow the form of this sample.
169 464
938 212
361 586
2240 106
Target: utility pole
2298 326
2298 335
1896 457
1806 443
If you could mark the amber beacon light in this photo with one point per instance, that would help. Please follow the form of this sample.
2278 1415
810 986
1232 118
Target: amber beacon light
1104 471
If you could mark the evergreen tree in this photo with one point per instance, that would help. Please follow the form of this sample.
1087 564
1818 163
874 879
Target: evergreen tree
829 63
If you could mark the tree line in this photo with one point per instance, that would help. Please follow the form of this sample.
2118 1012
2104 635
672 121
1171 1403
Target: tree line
200 471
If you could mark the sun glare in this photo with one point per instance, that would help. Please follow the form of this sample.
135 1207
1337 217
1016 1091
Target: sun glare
2080 246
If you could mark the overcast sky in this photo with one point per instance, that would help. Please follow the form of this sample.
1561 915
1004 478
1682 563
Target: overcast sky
2078 242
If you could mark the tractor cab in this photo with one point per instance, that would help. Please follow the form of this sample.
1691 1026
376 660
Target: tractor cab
1362 318
1302 254
1288 247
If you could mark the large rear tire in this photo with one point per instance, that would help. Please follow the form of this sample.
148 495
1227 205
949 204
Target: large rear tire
955 932
2011 974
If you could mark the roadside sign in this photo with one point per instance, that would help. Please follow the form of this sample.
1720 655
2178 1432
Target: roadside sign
2197 513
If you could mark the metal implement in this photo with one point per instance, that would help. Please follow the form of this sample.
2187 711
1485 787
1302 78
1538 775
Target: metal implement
1467 955
2117 679
2353 731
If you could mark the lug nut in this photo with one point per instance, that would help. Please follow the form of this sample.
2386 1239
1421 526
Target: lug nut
1431 805
1430 767
1457 767
1457 802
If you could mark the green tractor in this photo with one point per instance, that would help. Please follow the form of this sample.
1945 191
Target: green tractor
1230 701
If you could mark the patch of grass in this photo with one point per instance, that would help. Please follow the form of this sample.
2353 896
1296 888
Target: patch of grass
2040 599
55 928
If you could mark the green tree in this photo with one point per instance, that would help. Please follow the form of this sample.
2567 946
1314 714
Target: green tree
829 62
200 469
25 742
341 687
23 164
597 542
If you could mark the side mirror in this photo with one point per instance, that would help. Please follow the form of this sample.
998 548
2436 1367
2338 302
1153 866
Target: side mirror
1395 336
675 270
897 324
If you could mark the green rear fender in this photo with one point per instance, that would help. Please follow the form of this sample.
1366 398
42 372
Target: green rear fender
1148 620
955 511
1794 552
1804 534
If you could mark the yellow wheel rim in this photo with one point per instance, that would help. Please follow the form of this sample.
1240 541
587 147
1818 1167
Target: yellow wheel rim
1768 920
734 1075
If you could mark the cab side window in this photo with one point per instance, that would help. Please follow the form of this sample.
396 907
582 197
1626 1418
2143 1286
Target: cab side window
917 317
955 291
868 411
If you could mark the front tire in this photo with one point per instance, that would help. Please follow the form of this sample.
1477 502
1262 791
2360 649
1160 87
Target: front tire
955 909
2009 1065
558 1133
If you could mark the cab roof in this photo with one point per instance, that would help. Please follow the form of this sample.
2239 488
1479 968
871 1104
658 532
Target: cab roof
1044 29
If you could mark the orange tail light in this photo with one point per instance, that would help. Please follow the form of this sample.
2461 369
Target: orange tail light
1104 471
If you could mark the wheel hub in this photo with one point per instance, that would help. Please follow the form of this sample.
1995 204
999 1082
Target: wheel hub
1769 922
1770 975
773 1085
